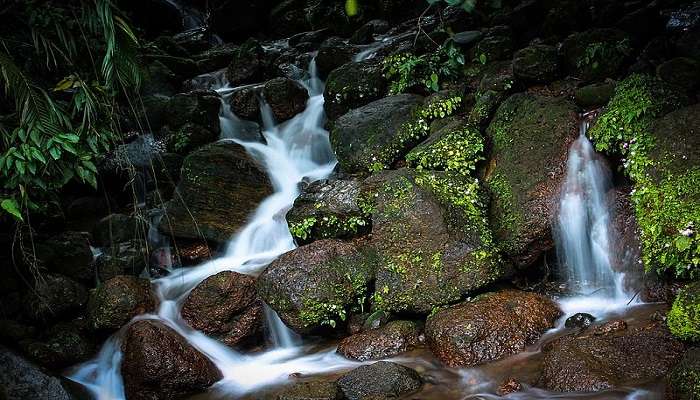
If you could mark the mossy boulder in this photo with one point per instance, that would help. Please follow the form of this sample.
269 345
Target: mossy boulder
328 209
353 85
220 186
318 284
432 239
684 316
60 346
118 300
373 133
493 326
496 44
685 377
248 64
682 72
530 136
594 95
596 54
537 63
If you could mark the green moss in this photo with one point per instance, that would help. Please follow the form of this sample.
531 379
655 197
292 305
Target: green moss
328 226
685 377
413 131
503 205
666 198
684 317
459 150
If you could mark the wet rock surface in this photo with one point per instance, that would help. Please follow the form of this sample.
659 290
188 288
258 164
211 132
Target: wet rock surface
588 362
493 326
159 364
579 320
225 306
19 379
220 186
380 380
388 340
353 85
54 296
118 300
285 97
309 390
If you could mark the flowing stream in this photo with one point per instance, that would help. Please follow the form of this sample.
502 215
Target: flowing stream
295 151
299 150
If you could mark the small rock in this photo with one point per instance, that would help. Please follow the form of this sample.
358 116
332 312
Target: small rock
244 103
510 385
610 327
579 320
311 390
381 379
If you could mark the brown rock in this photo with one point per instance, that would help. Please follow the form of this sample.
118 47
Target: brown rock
119 300
493 326
587 363
509 386
160 364
610 327
386 341
223 306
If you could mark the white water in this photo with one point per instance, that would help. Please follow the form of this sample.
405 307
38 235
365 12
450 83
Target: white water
584 233
295 151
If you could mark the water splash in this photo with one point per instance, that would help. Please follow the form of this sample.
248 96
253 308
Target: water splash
295 151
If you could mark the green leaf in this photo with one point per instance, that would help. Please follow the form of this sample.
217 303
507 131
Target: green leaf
12 207
351 7
683 243
482 58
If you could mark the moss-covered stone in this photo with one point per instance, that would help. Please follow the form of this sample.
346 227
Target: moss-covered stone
684 316
530 136
318 284
596 53
353 85
662 158
537 63
685 377
432 238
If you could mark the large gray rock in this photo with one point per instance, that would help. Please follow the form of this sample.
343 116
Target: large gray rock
372 133
317 284
21 380
220 186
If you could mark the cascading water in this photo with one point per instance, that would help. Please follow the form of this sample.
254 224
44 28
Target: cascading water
584 234
295 151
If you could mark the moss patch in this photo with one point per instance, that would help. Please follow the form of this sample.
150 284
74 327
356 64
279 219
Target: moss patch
684 317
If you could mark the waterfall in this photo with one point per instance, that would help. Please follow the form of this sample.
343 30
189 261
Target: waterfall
296 150
584 234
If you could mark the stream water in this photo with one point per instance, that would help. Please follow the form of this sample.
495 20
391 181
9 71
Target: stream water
298 150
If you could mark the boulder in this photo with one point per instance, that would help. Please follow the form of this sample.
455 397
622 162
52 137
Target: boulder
54 296
363 135
537 63
531 135
127 258
19 379
245 102
586 363
684 381
67 253
386 341
328 209
160 364
594 95
285 97
684 317
248 64
317 284
595 54
224 306
496 44
199 107
118 300
309 390
381 380
220 186
353 85
60 346
682 72
493 326
333 53
432 239
116 228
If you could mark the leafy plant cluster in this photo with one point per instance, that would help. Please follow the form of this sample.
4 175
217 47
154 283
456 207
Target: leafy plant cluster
408 70
666 212
459 150
56 131
600 51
